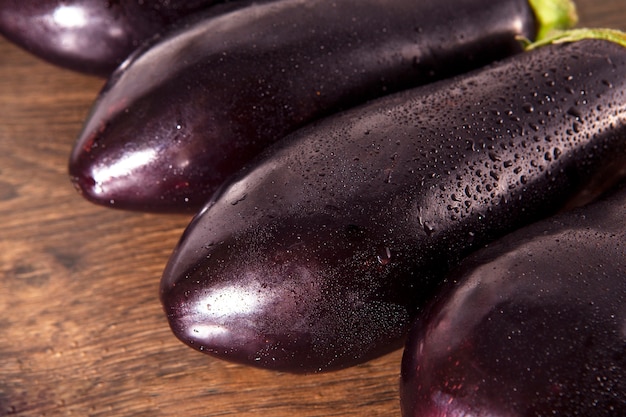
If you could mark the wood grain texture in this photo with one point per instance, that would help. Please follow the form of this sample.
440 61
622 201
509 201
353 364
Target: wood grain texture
82 331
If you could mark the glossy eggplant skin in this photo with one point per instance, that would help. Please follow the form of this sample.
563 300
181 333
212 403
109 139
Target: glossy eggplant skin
190 111
535 326
321 254
89 36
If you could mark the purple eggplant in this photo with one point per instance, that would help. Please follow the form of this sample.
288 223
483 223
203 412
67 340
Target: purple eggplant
90 36
193 108
536 325
321 253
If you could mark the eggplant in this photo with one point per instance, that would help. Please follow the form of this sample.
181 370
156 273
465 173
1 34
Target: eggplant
535 326
177 120
89 36
320 254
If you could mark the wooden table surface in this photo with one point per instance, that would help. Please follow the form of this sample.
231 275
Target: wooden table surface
82 330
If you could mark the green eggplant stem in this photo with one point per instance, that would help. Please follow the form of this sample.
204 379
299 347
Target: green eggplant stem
553 15
574 35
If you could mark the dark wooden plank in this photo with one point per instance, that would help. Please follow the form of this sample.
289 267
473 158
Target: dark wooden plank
82 328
